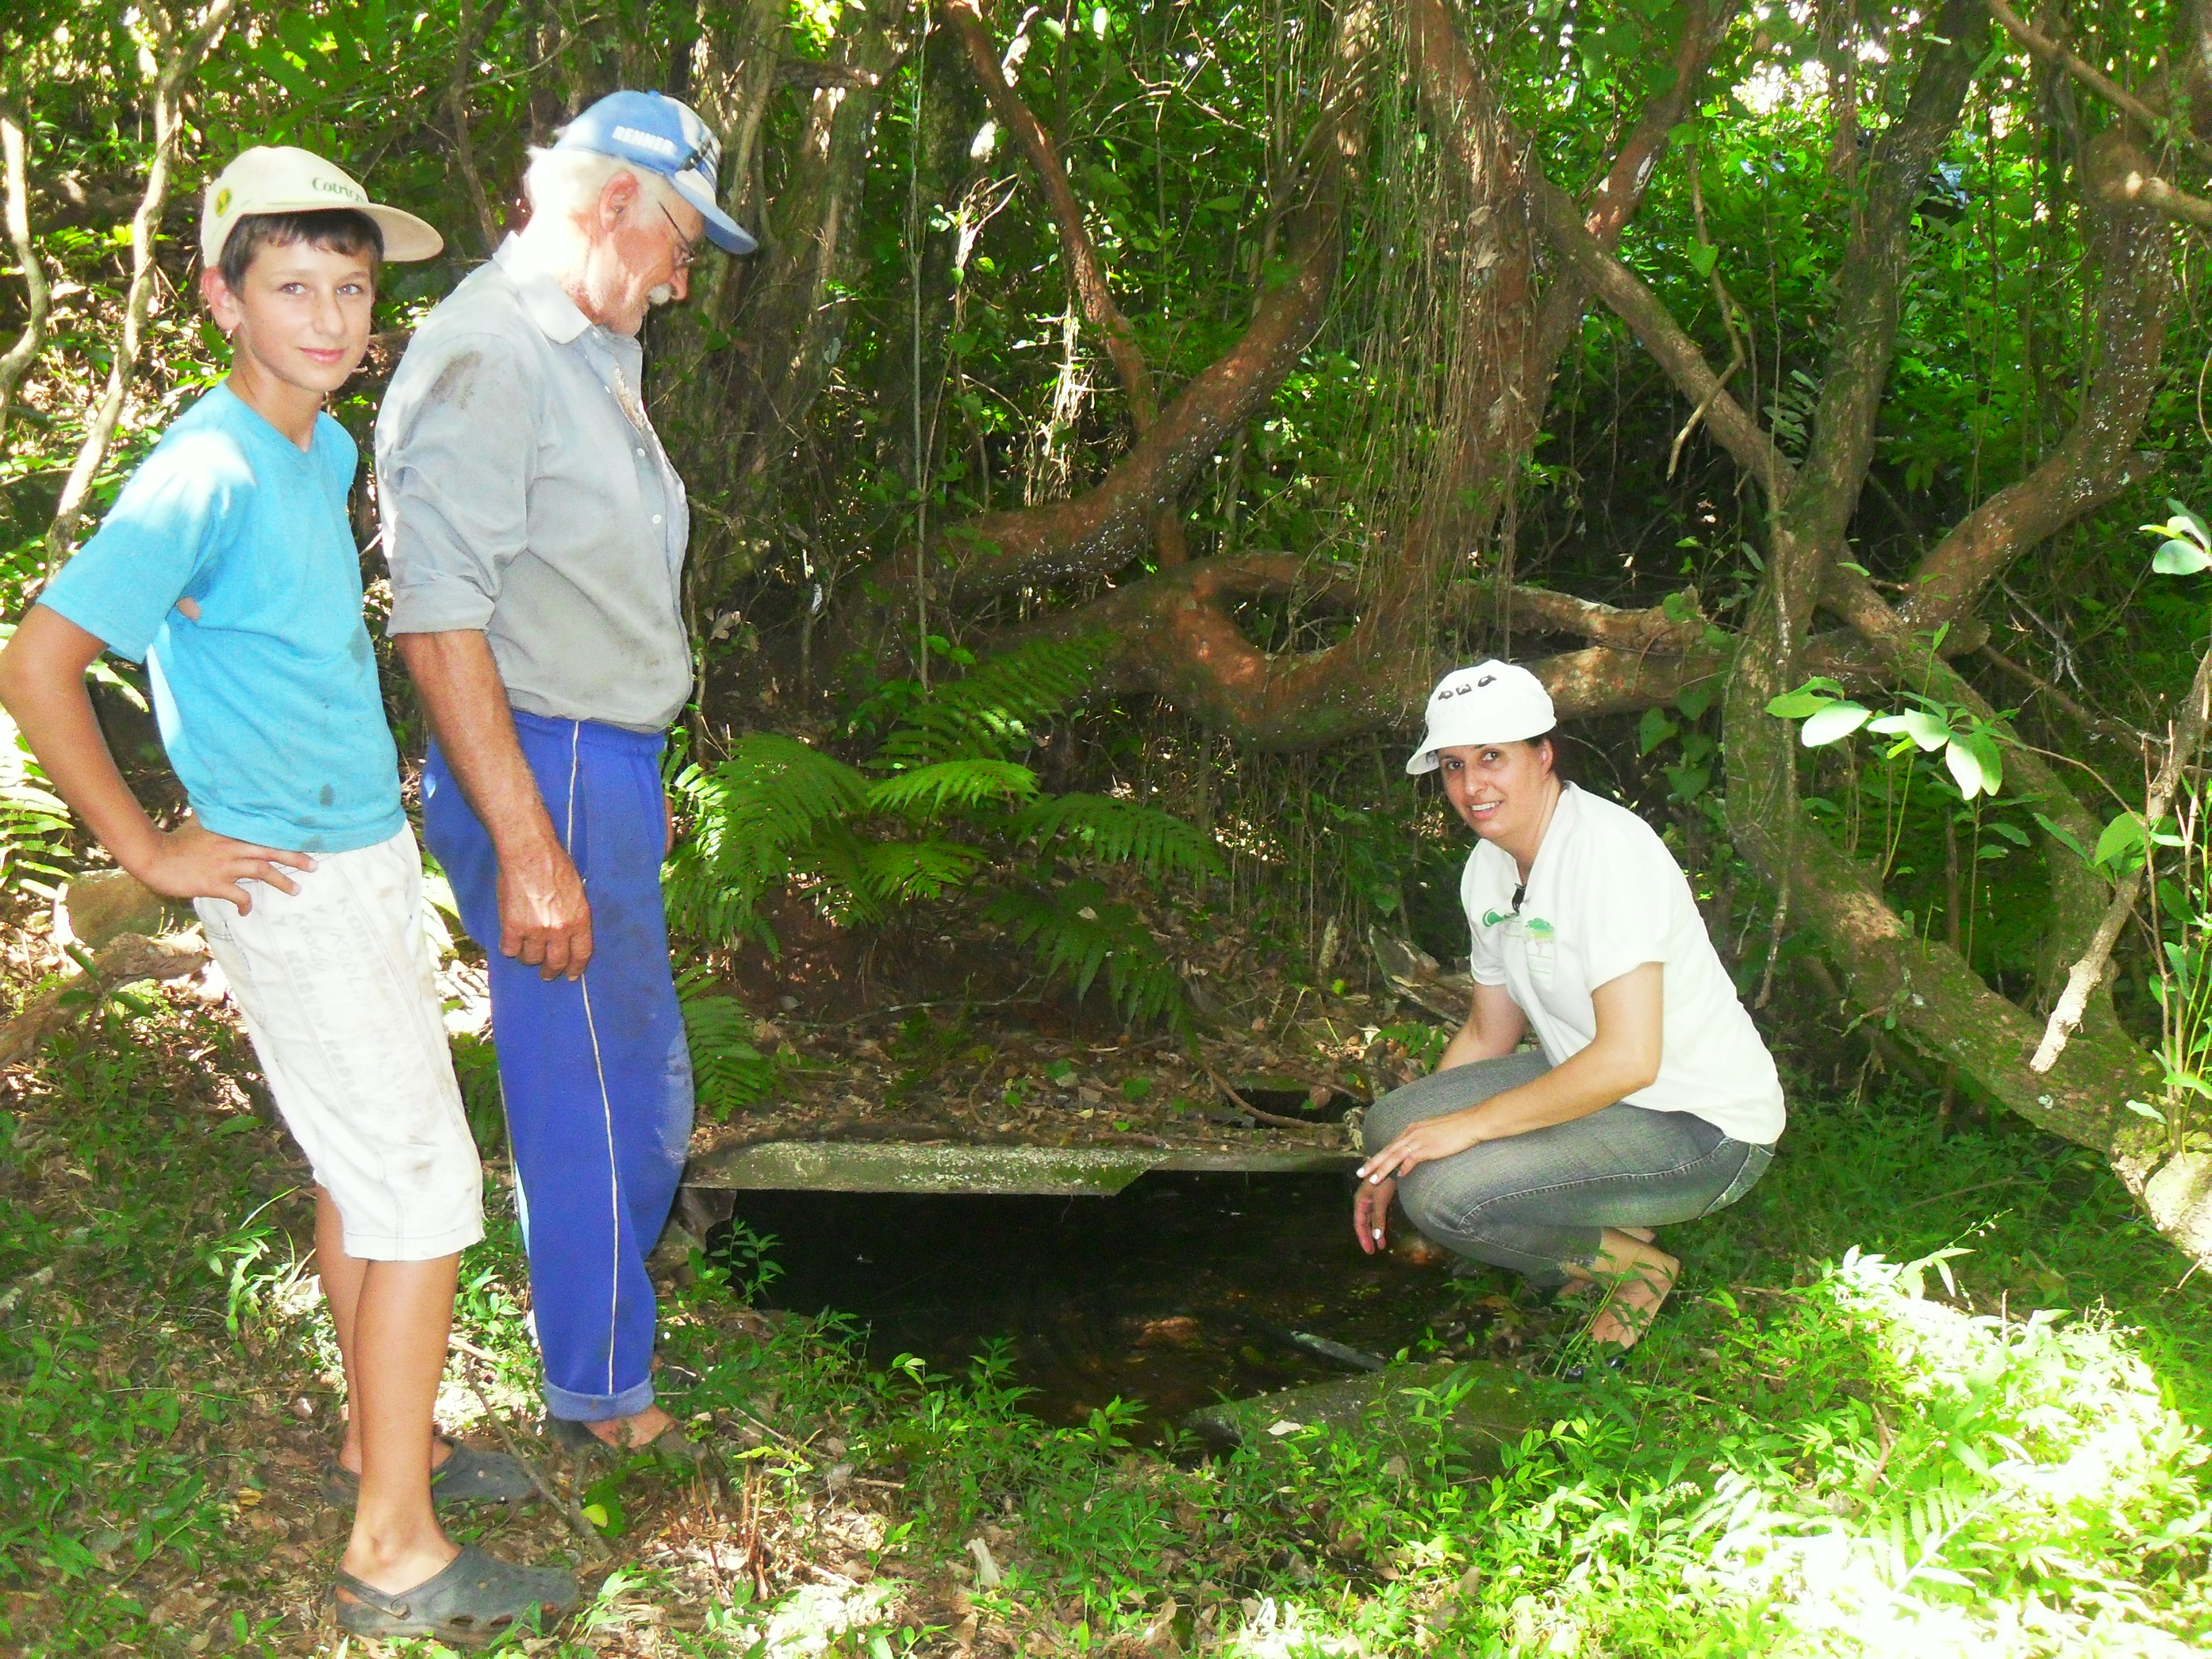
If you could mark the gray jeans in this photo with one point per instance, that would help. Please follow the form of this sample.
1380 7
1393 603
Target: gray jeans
1533 1201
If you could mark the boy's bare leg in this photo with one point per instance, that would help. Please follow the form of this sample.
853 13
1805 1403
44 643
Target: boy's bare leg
342 1276
393 1319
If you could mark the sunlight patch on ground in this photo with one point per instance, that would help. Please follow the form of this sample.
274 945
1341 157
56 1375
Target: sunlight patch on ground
2008 1512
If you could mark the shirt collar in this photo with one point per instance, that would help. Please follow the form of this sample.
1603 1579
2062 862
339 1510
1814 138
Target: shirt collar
547 303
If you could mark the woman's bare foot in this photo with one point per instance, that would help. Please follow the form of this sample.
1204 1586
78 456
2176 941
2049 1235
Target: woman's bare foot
1642 1235
1639 1276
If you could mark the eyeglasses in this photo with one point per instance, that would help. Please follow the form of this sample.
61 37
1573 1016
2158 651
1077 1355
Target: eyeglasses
687 247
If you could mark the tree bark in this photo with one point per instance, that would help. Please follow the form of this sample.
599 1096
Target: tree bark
1086 269
2098 457
1096 532
32 339
1175 636
181 45
736 374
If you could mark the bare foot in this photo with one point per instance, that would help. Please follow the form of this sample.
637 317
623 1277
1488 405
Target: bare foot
1641 1235
397 1571
629 1433
1637 1276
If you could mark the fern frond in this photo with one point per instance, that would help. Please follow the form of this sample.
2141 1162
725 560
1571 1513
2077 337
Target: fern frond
928 790
1119 832
728 1074
758 818
994 710
901 872
1079 932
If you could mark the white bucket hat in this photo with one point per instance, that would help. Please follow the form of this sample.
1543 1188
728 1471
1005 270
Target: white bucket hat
1491 702
281 179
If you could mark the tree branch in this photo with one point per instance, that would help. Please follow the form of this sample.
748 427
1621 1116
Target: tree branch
1082 254
1670 346
1095 532
2141 184
471 26
2097 458
2050 51
1609 206
180 59
1088 270
32 339
2089 972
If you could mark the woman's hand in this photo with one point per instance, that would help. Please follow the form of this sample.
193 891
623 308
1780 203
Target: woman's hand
189 862
1431 1138
1371 1212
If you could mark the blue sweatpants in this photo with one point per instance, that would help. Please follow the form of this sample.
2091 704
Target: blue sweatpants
596 1071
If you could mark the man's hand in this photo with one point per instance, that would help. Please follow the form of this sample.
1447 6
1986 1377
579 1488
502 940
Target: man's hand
544 918
1371 1212
191 862
1425 1142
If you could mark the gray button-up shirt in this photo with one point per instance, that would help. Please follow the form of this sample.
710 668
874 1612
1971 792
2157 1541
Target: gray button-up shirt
525 493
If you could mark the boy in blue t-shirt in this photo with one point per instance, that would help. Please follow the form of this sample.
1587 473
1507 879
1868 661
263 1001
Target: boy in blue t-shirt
228 566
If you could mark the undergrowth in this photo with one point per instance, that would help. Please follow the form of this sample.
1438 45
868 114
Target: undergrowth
938 804
1916 1394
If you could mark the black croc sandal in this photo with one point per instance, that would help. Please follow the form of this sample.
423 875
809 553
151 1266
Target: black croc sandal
578 1441
476 1599
468 1476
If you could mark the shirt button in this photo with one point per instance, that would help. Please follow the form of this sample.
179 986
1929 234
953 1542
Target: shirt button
656 518
640 454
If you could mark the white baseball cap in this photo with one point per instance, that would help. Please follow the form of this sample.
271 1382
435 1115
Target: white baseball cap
1491 702
280 178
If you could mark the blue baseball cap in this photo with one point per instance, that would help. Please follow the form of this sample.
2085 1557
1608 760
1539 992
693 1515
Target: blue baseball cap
652 131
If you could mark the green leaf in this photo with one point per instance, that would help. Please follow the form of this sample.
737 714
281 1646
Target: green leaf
2011 832
1694 700
1985 750
1654 729
928 790
1833 724
1704 256
1927 733
2144 1108
901 872
2176 557
1966 768
1114 831
1797 705
2122 843
2064 837
2196 526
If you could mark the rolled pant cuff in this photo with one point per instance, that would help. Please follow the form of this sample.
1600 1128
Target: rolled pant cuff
422 1246
596 1407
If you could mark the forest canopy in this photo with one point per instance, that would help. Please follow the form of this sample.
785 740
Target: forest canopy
1788 384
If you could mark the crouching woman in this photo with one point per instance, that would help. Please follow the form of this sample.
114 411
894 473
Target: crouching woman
1650 1099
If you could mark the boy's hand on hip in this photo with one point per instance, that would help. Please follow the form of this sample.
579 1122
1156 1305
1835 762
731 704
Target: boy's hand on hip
192 862
544 918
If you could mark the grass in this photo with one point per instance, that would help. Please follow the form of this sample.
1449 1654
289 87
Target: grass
1821 1449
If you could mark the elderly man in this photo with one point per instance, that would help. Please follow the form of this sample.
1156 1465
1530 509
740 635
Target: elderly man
536 532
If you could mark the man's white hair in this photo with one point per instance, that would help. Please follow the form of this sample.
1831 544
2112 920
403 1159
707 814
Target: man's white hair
566 183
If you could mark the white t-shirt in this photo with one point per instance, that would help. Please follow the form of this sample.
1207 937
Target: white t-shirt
1605 896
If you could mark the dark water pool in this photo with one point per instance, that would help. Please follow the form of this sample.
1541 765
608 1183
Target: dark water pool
1177 1291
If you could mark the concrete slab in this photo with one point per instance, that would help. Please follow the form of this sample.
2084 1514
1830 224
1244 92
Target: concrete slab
909 1167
